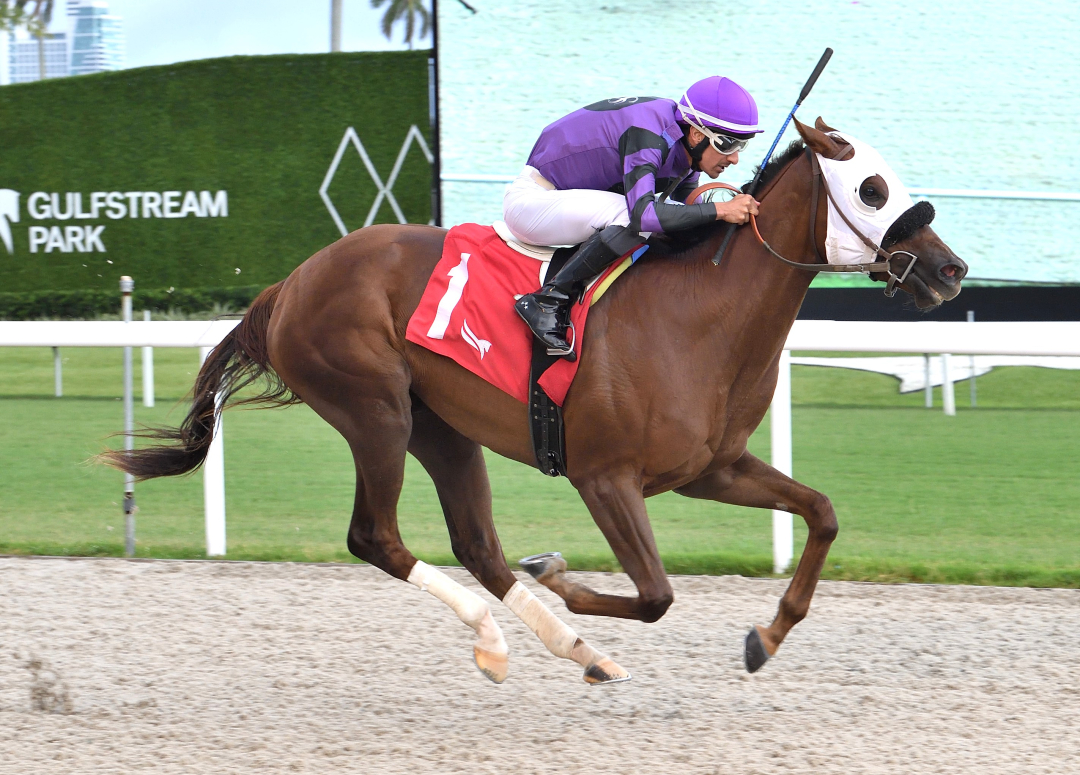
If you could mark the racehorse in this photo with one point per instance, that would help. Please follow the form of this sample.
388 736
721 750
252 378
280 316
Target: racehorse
678 369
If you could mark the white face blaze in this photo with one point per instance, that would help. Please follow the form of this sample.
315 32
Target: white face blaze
842 246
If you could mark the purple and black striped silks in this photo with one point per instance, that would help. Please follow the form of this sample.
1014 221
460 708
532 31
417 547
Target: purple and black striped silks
629 145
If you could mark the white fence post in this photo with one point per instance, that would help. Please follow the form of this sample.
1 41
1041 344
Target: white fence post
971 319
780 429
147 369
127 285
58 373
214 485
948 392
928 389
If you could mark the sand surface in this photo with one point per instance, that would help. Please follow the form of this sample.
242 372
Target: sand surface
193 667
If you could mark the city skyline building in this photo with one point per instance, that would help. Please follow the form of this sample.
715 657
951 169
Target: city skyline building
88 39
24 58
97 37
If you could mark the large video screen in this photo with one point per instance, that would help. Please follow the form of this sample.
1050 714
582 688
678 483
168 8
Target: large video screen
964 95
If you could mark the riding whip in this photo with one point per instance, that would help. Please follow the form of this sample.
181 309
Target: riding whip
761 168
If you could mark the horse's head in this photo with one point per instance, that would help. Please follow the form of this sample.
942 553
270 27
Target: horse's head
868 200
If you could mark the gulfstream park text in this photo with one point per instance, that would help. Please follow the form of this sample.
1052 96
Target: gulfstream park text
45 206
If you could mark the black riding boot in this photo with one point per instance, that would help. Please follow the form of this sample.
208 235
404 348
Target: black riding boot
547 310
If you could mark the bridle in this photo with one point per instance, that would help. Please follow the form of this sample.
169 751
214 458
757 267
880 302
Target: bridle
894 280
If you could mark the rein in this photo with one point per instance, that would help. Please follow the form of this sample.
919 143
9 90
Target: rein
819 181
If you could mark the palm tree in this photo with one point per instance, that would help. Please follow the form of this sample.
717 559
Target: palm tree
11 16
408 10
37 22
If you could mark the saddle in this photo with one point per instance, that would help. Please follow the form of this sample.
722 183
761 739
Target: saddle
466 313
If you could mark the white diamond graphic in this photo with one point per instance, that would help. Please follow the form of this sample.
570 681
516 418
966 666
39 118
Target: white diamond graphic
385 190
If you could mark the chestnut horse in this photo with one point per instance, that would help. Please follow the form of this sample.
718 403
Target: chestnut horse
677 371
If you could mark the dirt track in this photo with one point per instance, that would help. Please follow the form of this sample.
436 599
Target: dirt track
113 666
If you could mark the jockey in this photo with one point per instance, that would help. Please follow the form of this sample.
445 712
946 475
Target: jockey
612 173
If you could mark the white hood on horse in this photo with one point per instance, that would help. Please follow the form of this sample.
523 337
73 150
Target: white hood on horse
842 245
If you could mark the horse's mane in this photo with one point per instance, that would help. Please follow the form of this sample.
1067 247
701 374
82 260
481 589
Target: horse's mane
777 164
680 242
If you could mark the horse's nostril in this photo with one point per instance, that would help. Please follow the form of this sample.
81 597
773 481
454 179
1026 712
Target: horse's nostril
952 273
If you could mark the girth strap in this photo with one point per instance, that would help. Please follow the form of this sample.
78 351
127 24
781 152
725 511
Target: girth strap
545 416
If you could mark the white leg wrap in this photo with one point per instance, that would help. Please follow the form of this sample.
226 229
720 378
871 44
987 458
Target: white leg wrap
469 607
552 631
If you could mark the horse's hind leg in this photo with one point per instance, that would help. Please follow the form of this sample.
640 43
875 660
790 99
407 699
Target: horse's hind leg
751 482
376 421
618 508
456 466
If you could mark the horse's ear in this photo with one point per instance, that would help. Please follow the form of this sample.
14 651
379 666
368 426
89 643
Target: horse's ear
818 141
823 126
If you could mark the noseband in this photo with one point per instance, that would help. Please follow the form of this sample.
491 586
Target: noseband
894 280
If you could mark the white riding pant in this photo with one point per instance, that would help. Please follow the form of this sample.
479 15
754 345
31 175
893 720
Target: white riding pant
537 213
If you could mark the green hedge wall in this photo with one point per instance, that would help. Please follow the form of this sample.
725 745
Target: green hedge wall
91 302
264 129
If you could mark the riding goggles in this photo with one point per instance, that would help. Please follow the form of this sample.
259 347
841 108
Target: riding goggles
725 145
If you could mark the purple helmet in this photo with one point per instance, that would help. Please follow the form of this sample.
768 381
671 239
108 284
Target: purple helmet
719 103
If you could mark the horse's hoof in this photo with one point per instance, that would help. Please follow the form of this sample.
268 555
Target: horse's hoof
605 672
493 666
754 652
538 565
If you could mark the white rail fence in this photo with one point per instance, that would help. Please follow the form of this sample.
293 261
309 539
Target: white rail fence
200 334
937 338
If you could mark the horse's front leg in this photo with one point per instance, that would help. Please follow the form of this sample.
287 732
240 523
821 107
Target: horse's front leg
751 482
618 508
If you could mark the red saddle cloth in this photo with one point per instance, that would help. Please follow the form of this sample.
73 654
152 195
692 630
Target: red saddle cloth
467 313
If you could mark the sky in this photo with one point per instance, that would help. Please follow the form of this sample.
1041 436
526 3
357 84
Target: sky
160 32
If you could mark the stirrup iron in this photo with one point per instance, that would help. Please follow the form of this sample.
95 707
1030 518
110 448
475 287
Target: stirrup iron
568 353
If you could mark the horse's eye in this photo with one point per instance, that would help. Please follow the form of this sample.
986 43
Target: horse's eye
873 192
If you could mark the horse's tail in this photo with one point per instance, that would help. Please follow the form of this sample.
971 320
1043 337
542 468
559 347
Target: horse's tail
238 361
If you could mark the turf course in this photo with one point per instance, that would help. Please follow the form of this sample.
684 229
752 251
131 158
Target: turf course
988 496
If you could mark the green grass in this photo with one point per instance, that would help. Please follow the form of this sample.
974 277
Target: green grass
988 496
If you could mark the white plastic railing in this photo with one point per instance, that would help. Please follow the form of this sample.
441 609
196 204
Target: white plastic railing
990 338
173 333
945 338
1023 338
114 333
